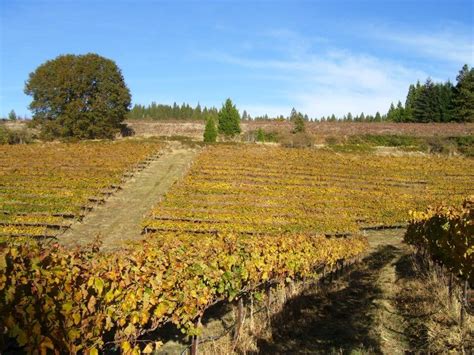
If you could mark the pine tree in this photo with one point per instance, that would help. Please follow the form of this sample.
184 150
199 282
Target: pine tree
298 124
409 103
12 116
391 113
293 114
210 132
377 117
229 119
463 100
260 135
426 106
445 97
399 114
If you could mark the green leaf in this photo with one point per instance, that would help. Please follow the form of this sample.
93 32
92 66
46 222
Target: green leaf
99 285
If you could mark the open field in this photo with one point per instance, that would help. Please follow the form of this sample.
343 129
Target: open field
321 130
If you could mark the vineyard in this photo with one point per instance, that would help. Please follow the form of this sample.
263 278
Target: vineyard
45 187
252 190
243 219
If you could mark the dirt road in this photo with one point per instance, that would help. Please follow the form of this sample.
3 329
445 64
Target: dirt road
119 219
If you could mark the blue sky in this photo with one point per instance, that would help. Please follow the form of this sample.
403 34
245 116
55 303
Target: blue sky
320 57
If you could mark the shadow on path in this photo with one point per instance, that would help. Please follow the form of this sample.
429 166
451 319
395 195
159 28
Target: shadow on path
338 319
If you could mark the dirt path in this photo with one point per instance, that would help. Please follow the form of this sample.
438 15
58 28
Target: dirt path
119 219
355 314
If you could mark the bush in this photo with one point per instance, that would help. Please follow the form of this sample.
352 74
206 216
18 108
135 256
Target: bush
260 135
9 136
297 140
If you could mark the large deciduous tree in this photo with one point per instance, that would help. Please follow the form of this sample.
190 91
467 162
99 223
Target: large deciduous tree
81 96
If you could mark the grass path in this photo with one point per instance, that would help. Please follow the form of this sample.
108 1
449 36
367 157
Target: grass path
119 219
355 314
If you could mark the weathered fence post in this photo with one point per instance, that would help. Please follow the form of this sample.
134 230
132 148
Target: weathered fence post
269 301
195 340
240 320
464 303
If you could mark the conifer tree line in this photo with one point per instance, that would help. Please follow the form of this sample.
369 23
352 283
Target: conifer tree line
428 102
438 102
175 112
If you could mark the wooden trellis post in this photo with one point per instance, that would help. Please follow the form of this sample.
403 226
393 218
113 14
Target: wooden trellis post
195 340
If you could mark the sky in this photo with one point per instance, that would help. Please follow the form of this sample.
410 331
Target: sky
321 57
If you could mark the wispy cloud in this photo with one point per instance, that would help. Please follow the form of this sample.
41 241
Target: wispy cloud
449 44
325 81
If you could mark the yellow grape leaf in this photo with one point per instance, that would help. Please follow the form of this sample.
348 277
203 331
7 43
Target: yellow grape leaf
160 311
91 304
73 334
148 349
67 307
46 343
99 285
77 318
126 346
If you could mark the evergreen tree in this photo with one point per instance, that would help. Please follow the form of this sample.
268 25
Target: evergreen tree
377 117
391 113
12 116
229 119
399 114
210 131
260 135
411 98
426 107
293 114
445 97
463 100
298 124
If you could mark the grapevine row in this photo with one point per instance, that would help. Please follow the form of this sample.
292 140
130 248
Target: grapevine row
447 235
81 300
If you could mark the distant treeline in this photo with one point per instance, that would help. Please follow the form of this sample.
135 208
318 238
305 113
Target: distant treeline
438 102
175 112
430 102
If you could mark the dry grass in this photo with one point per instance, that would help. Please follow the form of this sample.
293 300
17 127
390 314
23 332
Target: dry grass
432 317
320 130
256 324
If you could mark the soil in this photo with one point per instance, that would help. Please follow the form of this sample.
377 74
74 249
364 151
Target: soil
119 219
